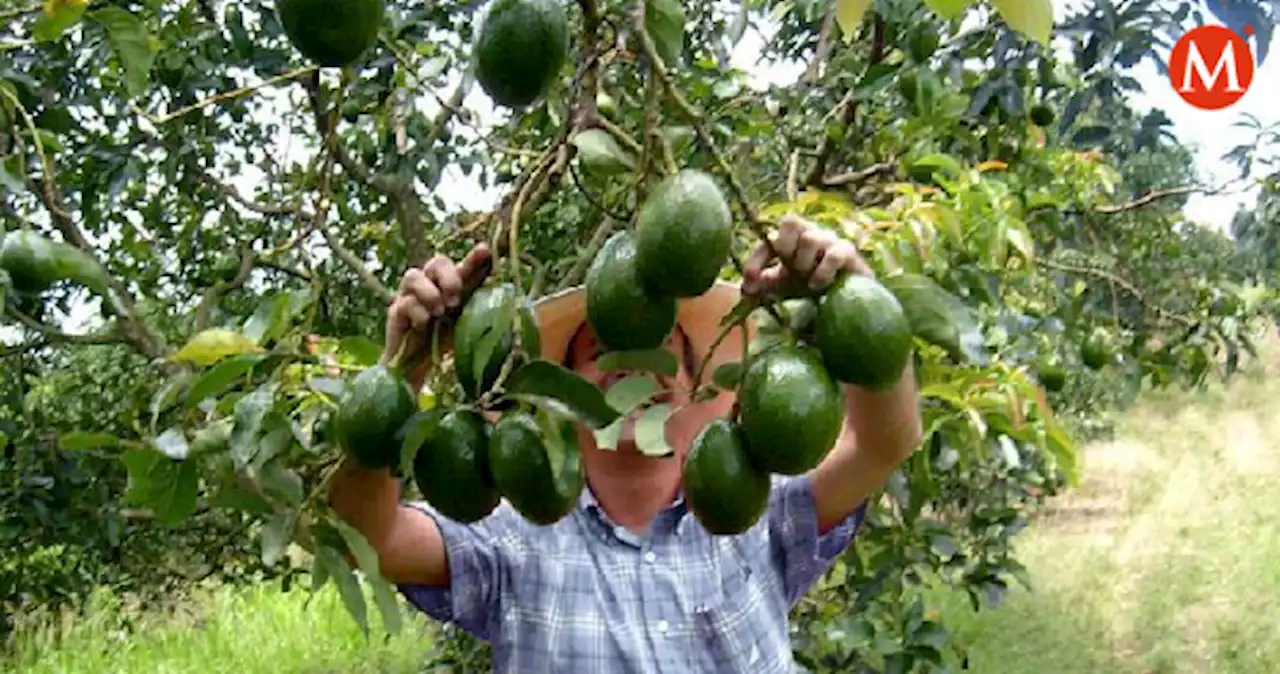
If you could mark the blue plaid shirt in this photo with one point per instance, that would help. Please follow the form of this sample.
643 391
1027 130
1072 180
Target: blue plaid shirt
586 596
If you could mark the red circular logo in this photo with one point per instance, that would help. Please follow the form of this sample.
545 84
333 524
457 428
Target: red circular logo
1211 67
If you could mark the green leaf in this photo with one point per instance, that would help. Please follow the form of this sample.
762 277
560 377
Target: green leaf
168 395
651 431
1033 18
849 15
362 349
218 377
132 44
81 440
276 535
267 320
664 21
236 497
938 317
495 326
167 487
211 346
58 17
941 161
948 9
250 412
543 382
727 375
630 392
172 443
658 361
607 437
600 153
282 482
348 586
367 559
10 181
334 388
416 431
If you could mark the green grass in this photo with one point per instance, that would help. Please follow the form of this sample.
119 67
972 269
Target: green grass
1165 559
238 630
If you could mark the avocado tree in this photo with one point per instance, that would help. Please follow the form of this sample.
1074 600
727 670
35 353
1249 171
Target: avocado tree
207 206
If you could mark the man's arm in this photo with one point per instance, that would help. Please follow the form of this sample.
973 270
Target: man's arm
410 545
881 429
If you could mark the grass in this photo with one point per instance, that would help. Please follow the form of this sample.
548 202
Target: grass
244 630
1164 560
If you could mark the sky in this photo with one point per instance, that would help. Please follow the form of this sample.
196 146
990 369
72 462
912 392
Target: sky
1209 133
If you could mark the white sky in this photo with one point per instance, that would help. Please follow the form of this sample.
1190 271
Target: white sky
1209 133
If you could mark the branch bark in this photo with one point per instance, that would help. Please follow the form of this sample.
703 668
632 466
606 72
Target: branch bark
109 336
848 108
855 177
367 277
580 266
1156 195
1118 281
813 71
209 301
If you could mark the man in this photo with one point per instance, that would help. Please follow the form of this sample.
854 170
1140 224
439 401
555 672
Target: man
629 581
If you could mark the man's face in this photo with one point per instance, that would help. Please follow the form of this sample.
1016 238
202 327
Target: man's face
583 357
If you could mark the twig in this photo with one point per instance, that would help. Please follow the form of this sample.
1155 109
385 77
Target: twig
820 53
230 95
583 263
1155 195
793 169
367 277
854 177
715 344
621 135
109 336
591 198
210 299
848 108
1118 281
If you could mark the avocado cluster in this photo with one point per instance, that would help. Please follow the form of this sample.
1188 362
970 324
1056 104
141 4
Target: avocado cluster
790 408
519 51
463 463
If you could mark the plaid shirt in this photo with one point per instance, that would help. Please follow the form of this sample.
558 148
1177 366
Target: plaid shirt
586 596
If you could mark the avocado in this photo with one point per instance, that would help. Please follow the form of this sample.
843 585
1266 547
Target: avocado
791 410
370 413
522 468
451 468
331 33
622 313
520 49
684 235
725 492
863 333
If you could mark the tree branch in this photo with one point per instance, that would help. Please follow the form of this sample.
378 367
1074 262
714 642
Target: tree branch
367 277
825 33
855 177
229 95
1128 286
579 269
109 336
621 135
204 312
1156 195
848 108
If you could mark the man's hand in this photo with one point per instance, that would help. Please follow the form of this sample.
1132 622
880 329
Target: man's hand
427 293
817 255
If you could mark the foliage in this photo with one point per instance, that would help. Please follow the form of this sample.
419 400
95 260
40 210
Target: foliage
249 276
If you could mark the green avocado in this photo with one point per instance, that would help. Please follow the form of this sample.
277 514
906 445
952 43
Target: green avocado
521 461
1051 375
1095 350
622 313
370 413
35 263
684 235
791 410
520 49
725 492
863 333
451 467
331 33
478 334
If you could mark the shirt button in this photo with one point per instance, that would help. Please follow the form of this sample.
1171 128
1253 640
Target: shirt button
662 626
650 557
